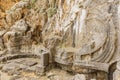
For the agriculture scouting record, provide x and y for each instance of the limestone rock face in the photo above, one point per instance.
(79, 77)
(78, 36)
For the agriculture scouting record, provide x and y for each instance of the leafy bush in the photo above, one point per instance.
(51, 11)
(32, 2)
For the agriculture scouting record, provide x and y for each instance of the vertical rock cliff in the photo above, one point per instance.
(81, 37)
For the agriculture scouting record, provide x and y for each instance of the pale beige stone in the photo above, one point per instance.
(79, 36)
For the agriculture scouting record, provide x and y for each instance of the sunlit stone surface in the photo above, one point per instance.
(47, 39)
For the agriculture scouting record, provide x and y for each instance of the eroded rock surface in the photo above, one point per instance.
(40, 37)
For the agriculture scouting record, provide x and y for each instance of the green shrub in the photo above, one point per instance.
(32, 2)
(51, 11)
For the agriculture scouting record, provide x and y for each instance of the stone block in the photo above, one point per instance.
(45, 59)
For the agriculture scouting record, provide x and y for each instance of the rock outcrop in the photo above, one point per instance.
(78, 36)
